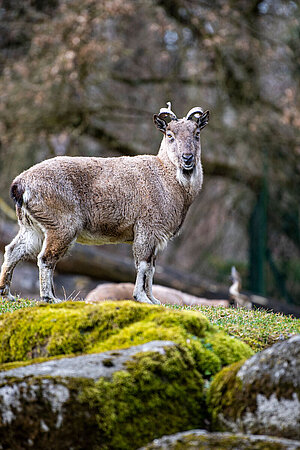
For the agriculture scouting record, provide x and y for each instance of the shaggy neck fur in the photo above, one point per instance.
(190, 181)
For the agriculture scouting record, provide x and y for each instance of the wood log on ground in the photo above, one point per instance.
(124, 291)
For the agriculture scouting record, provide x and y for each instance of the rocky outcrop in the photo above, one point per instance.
(76, 375)
(203, 440)
(262, 395)
(166, 295)
(113, 400)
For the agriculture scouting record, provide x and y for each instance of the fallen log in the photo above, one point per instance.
(124, 291)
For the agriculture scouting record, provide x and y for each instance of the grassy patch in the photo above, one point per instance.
(7, 306)
(257, 327)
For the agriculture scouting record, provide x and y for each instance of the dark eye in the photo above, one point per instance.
(170, 137)
(197, 135)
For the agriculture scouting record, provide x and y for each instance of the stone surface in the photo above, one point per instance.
(104, 401)
(261, 396)
(93, 366)
(202, 440)
(166, 295)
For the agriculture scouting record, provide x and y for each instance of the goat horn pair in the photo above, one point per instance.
(197, 112)
(167, 112)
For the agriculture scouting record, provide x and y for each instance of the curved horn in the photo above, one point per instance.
(167, 112)
(197, 112)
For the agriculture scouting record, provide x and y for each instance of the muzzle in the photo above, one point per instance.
(188, 161)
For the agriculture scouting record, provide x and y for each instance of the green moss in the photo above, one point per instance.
(256, 327)
(223, 391)
(65, 328)
(158, 394)
(227, 348)
(155, 394)
(75, 327)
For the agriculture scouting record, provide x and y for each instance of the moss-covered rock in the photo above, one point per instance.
(261, 395)
(202, 440)
(75, 327)
(153, 393)
(147, 391)
(58, 404)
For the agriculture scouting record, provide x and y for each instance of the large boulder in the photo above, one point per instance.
(75, 375)
(203, 440)
(112, 400)
(262, 395)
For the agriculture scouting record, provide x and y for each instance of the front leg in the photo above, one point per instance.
(149, 282)
(144, 253)
(139, 293)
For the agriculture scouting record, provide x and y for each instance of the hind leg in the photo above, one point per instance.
(54, 248)
(24, 246)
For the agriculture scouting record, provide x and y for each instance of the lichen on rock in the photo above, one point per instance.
(153, 393)
(203, 440)
(261, 395)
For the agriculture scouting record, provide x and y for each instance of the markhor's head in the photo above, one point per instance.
(182, 136)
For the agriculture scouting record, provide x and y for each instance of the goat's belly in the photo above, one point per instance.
(88, 238)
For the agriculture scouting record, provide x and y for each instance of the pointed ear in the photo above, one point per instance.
(161, 124)
(203, 120)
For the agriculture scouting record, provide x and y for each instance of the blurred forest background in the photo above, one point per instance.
(84, 77)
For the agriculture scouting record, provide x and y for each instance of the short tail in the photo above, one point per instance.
(16, 192)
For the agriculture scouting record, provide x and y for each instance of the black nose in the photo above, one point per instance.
(188, 157)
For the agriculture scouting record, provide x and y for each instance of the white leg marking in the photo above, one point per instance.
(139, 292)
(148, 284)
